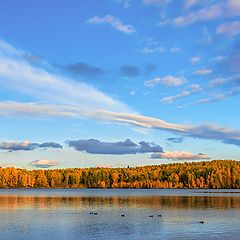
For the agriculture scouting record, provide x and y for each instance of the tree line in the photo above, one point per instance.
(207, 174)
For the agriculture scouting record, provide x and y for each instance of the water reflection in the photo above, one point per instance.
(151, 202)
(64, 214)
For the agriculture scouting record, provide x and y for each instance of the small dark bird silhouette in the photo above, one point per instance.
(201, 222)
(159, 215)
(91, 213)
(122, 215)
(151, 216)
(95, 213)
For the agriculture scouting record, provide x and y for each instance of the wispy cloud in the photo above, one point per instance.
(222, 134)
(44, 163)
(153, 50)
(125, 3)
(213, 98)
(216, 97)
(186, 92)
(207, 37)
(95, 146)
(182, 155)
(168, 81)
(170, 99)
(203, 71)
(115, 22)
(195, 59)
(217, 81)
(228, 8)
(80, 100)
(220, 58)
(155, 2)
(190, 3)
(229, 28)
(208, 13)
(19, 76)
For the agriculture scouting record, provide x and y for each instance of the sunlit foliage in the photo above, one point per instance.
(211, 174)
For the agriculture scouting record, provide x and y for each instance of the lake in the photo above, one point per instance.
(70, 214)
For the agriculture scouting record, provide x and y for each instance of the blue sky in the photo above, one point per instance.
(118, 82)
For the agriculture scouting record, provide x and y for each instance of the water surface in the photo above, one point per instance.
(65, 214)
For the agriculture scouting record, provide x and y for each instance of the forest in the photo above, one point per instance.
(207, 174)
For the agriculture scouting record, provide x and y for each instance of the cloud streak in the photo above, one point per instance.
(182, 155)
(43, 163)
(168, 81)
(115, 22)
(229, 28)
(221, 9)
(203, 71)
(194, 88)
(222, 134)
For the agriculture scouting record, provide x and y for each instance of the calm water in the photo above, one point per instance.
(65, 214)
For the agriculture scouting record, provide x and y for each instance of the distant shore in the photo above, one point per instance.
(217, 174)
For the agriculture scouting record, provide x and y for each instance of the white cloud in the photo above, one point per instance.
(227, 8)
(220, 58)
(213, 98)
(203, 71)
(225, 135)
(44, 163)
(153, 50)
(19, 76)
(195, 88)
(55, 96)
(195, 59)
(114, 22)
(170, 99)
(229, 28)
(168, 81)
(42, 111)
(182, 155)
(209, 13)
(217, 81)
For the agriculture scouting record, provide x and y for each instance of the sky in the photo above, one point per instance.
(116, 83)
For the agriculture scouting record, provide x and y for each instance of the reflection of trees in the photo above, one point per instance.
(173, 202)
